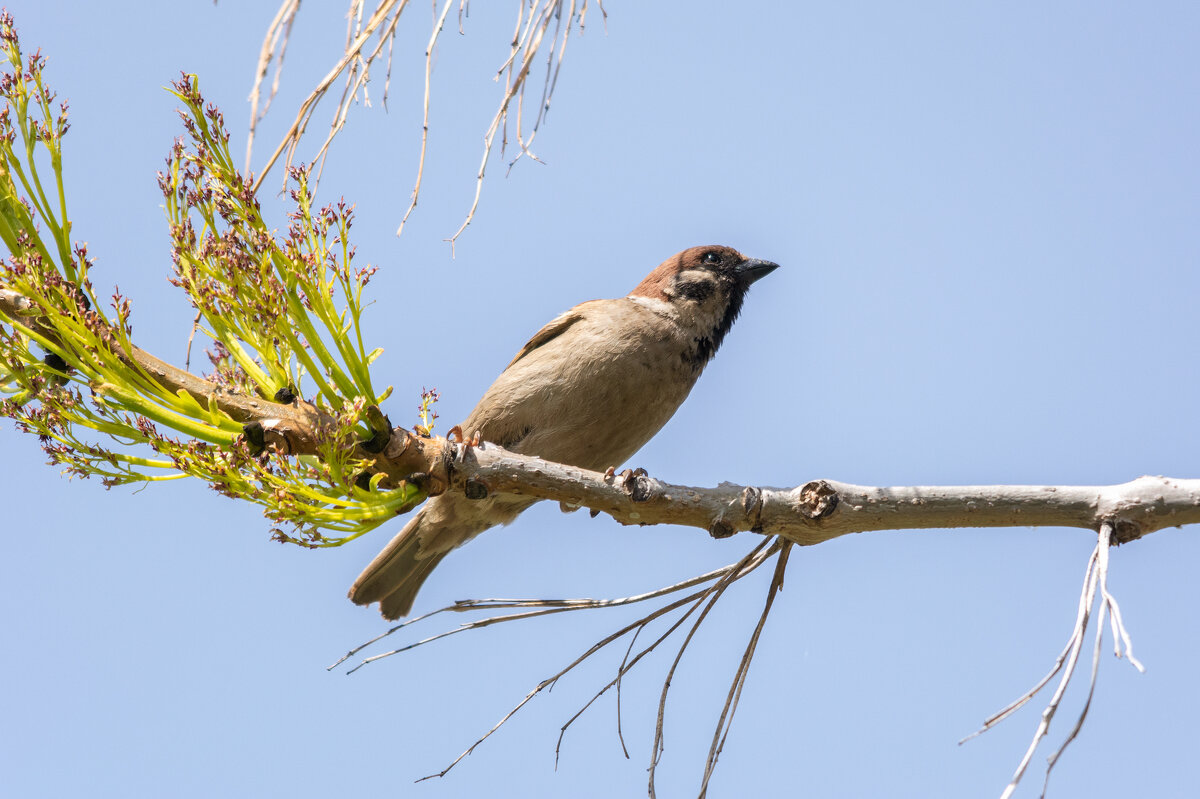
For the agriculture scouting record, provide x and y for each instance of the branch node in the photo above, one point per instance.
(256, 437)
(381, 429)
(752, 503)
(475, 489)
(1124, 531)
(817, 499)
(424, 482)
(720, 529)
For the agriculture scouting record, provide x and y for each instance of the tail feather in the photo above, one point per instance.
(446, 522)
(397, 573)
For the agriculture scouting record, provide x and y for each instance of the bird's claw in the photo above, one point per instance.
(455, 435)
(629, 482)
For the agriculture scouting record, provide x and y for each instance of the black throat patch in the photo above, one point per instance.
(708, 344)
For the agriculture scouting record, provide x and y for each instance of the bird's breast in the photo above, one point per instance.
(593, 395)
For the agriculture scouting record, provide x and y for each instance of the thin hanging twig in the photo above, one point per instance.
(739, 679)
(357, 59)
(1095, 579)
(544, 606)
(719, 579)
(274, 46)
(744, 567)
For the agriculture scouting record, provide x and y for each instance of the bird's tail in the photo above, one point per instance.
(398, 572)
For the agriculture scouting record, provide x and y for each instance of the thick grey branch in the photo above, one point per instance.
(823, 509)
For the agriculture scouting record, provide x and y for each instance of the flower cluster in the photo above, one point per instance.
(283, 314)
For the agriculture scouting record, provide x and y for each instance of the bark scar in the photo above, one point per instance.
(817, 499)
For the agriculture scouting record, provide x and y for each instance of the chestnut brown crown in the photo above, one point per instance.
(708, 285)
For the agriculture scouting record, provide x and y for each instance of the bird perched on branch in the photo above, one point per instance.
(588, 390)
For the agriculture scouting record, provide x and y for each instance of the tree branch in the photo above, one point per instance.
(824, 509)
(808, 514)
(295, 427)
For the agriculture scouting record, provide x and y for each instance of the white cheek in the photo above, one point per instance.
(656, 305)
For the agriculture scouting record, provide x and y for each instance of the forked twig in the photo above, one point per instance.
(533, 21)
(751, 560)
(710, 601)
(1095, 577)
(739, 679)
(387, 11)
(737, 571)
(710, 587)
(524, 50)
(546, 606)
(274, 46)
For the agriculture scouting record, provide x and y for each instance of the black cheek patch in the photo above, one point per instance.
(698, 291)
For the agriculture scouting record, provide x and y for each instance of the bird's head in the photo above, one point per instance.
(705, 287)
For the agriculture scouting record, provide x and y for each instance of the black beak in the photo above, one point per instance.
(752, 269)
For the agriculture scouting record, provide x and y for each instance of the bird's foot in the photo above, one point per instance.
(628, 481)
(456, 436)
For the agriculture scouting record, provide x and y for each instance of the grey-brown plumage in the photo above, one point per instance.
(589, 389)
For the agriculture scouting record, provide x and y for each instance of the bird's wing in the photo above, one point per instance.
(502, 415)
(553, 329)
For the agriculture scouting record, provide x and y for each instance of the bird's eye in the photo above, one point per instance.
(711, 258)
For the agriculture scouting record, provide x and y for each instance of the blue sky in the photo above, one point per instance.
(987, 217)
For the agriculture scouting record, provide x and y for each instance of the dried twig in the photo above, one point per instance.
(710, 600)
(739, 678)
(755, 558)
(274, 46)
(386, 14)
(714, 584)
(1095, 577)
(525, 47)
(533, 21)
(416, 192)
(545, 606)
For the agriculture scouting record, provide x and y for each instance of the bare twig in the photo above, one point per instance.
(546, 606)
(352, 57)
(739, 678)
(710, 600)
(533, 21)
(438, 24)
(723, 578)
(1095, 577)
(620, 674)
(523, 54)
(274, 46)
(550, 681)
(187, 356)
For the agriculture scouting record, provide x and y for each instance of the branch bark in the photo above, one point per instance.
(820, 510)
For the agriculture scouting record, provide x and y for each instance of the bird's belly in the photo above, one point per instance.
(610, 411)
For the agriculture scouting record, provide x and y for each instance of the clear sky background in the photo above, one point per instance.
(987, 217)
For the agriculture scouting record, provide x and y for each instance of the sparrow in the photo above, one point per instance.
(588, 390)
